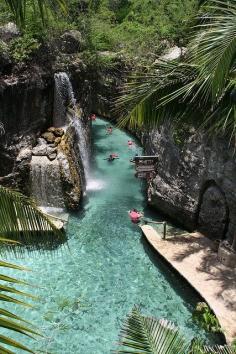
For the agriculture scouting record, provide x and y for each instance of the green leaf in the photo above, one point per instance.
(148, 335)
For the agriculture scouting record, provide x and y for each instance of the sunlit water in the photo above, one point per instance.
(86, 292)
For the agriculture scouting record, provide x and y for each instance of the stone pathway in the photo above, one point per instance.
(192, 256)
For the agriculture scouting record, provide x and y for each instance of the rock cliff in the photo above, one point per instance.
(195, 183)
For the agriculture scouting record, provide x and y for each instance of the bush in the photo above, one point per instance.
(23, 47)
(206, 319)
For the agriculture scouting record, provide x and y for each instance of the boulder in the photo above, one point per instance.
(9, 32)
(40, 150)
(41, 141)
(56, 131)
(52, 156)
(71, 42)
(49, 137)
(57, 141)
(51, 150)
(24, 154)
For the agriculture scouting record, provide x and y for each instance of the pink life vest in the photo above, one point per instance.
(134, 216)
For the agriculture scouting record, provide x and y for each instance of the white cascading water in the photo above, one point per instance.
(63, 98)
(66, 113)
(46, 182)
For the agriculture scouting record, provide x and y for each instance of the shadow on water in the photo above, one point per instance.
(177, 282)
(35, 241)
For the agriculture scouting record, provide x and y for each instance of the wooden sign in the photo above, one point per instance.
(145, 175)
(145, 159)
(145, 168)
(144, 165)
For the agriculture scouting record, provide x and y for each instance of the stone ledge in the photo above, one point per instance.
(192, 256)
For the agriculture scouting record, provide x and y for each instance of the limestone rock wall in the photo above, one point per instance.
(26, 111)
(195, 184)
(26, 103)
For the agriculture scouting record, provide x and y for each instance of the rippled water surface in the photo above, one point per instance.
(85, 292)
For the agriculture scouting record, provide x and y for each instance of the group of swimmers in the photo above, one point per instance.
(134, 214)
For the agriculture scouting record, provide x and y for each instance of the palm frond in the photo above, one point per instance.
(213, 48)
(141, 334)
(162, 94)
(22, 221)
(198, 347)
(8, 320)
(148, 335)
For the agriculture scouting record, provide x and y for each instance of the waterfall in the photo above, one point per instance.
(63, 98)
(46, 182)
(66, 113)
(83, 144)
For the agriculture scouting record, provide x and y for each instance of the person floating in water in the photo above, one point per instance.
(112, 157)
(131, 143)
(135, 216)
(109, 130)
(93, 117)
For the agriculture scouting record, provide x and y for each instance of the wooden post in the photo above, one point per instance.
(164, 230)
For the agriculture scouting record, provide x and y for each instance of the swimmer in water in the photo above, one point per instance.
(112, 157)
(135, 216)
(131, 143)
(109, 130)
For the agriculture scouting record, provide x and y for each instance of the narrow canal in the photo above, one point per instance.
(86, 292)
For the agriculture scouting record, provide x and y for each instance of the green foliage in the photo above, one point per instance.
(141, 334)
(41, 8)
(11, 321)
(136, 26)
(181, 134)
(23, 47)
(234, 344)
(3, 47)
(21, 221)
(5, 15)
(199, 89)
(206, 319)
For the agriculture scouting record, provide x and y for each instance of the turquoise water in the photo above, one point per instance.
(86, 292)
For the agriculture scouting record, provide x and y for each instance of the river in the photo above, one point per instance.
(86, 289)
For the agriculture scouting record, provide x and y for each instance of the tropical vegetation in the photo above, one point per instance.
(22, 225)
(199, 88)
(142, 334)
(134, 28)
(21, 9)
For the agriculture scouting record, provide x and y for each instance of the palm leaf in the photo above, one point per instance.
(9, 320)
(197, 347)
(12, 343)
(199, 90)
(141, 334)
(22, 221)
(214, 47)
(148, 335)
